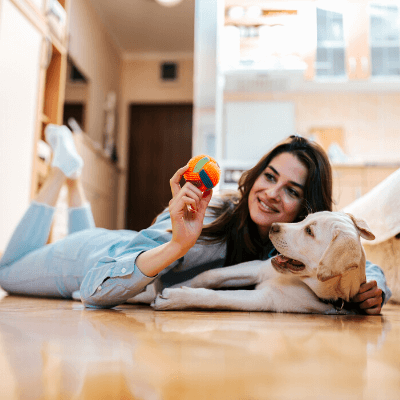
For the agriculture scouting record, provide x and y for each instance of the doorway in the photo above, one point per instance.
(160, 143)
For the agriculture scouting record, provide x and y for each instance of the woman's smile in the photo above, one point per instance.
(267, 208)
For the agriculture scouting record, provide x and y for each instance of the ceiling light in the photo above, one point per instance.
(168, 3)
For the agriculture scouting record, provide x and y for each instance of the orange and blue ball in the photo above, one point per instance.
(203, 172)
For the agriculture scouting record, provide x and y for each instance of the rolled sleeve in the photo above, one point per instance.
(113, 281)
(374, 273)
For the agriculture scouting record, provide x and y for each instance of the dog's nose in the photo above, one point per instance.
(275, 228)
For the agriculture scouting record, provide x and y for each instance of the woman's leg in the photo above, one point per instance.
(79, 213)
(29, 266)
(50, 190)
(33, 230)
(76, 194)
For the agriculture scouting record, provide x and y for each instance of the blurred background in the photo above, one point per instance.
(147, 84)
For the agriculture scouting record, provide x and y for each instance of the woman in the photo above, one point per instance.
(109, 267)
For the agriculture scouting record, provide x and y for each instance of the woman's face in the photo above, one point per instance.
(277, 194)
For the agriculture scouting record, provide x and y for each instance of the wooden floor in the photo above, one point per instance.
(54, 349)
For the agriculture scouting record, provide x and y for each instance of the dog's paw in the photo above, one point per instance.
(171, 299)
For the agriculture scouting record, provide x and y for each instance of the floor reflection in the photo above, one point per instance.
(51, 349)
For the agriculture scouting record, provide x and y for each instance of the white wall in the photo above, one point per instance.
(97, 57)
(252, 128)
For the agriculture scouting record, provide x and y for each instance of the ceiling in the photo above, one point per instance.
(144, 26)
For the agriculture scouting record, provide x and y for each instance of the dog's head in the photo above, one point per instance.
(325, 251)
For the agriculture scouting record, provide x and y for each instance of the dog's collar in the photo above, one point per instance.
(272, 253)
(338, 304)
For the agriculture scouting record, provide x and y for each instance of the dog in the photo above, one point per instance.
(321, 266)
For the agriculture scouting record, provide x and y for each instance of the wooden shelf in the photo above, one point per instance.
(45, 119)
(52, 83)
(42, 168)
(57, 44)
(55, 87)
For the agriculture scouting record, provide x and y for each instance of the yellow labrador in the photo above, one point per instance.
(321, 264)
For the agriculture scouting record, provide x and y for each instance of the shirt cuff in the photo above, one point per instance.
(112, 281)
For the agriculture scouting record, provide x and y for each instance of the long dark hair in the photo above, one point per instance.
(233, 224)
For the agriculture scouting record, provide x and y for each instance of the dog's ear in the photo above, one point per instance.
(342, 255)
(362, 227)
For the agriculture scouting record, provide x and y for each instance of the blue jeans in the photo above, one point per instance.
(94, 264)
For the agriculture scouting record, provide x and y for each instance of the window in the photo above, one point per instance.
(330, 44)
(385, 40)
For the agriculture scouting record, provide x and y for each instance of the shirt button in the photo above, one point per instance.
(99, 288)
(123, 270)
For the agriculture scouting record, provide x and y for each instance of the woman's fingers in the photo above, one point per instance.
(189, 195)
(372, 306)
(177, 204)
(174, 181)
(371, 303)
(369, 298)
(372, 294)
(367, 286)
(205, 200)
(373, 311)
(367, 290)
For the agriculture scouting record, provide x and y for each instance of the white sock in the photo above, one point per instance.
(65, 155)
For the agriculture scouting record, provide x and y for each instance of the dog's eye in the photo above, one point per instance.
(309, 231)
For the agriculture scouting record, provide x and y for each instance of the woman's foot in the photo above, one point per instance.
(65, 156)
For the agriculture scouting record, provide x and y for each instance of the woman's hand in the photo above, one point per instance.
(369, 298)
(187, 209)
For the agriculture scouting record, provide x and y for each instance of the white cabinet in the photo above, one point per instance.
(20, 54)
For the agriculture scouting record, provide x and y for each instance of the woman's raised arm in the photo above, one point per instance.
(187, 209)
